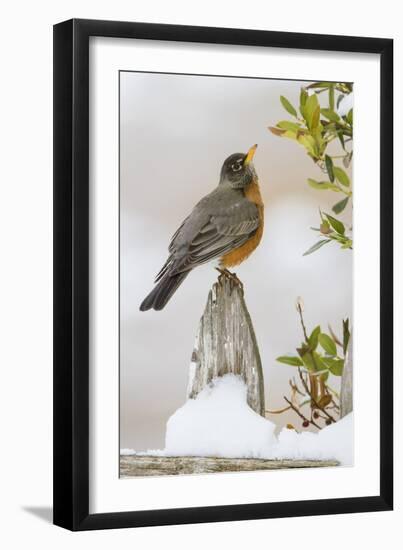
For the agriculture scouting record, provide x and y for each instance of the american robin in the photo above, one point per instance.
(226, 224)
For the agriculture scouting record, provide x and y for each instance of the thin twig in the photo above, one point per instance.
(278, 411)
(294, 386)
(299, 309)
(300, 414)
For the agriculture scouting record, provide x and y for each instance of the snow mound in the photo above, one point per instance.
(219, 423)
(333, 442)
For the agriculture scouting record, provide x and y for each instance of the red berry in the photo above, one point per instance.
(315, 414)
(305, 424)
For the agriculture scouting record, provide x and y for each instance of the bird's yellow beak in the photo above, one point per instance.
(250, 154)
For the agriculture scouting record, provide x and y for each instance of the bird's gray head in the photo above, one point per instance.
(238, 170)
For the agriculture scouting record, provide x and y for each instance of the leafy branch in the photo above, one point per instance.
(333, 230)
(316, 358)
(314, 128)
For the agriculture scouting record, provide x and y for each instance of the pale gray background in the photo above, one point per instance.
(176, 131)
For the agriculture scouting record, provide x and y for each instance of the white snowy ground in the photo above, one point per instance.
(220, 423)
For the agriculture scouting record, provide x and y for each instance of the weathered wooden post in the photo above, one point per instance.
(346, 391)
(226, 343)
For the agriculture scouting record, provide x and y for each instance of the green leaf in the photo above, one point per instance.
(341, 139)
(334, 365)
(323, 185)
(287, 106)
(337, 225)
(325, 376)
(312, 360)
(347, 244)
(341, 176)
(331, 97)
(346, 335)
(327, 344)
(339, 100)
(330, 115)
(318, 360)
(303, 96)
(290, 360)
(290, 134)
(330, 127)
(329, 167)
(315, 118)
(310, 111)
(316, 246)
(287, 125)
(307, 359)
(340, 206)
(321, 144)
(309, 143)
(314, 338)
(350, 117)
(319, 85)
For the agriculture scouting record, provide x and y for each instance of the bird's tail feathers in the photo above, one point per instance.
(163, 291)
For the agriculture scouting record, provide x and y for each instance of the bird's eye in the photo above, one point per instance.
(236, 167)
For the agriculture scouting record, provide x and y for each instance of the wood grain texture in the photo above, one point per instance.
(134, 465)
(226, 343)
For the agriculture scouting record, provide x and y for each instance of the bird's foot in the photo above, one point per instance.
(232, 277)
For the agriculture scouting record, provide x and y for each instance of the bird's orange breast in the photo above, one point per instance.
(238, 255)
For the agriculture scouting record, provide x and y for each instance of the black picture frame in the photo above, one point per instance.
(71, 274)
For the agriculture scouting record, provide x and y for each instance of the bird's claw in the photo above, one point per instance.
(232, 277)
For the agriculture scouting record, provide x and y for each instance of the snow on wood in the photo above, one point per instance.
(219, 424)
(226, 343)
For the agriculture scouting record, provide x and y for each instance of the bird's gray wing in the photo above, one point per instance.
(203, 237)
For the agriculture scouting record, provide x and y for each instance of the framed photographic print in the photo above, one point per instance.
(223, 321)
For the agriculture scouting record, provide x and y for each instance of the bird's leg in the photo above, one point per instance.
(221, 274)
(231, 276)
